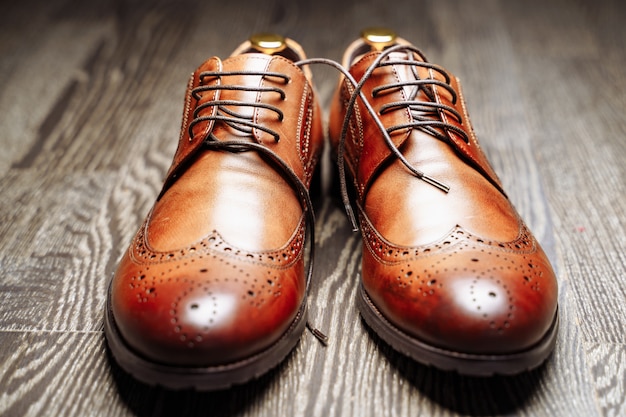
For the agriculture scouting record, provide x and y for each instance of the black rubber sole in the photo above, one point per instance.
(208, 378)
(463, 363)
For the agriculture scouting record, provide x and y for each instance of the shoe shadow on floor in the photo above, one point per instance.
(466, 395)
(145, 400)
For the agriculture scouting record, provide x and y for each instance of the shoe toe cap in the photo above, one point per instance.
(482, 302)
(204, 316)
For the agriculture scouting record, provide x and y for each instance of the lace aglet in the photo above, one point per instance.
(351, 216)
(318, 334)
(443, 187)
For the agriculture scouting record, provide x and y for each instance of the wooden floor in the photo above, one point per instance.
(91, 97)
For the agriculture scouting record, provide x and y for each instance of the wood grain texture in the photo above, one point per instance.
(608, 367)
(91, 96)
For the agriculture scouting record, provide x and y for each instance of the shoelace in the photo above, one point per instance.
(425, 114)
(243, 123)
(233, 119)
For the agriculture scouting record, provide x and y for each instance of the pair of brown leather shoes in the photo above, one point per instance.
(212, 290)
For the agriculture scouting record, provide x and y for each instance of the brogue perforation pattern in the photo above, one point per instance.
(457, 240)
(214, 243)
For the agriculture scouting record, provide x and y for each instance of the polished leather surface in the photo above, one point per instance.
(216, 273)
(459, 270)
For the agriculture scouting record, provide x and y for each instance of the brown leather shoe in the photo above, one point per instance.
(212, 290)
(451, 276)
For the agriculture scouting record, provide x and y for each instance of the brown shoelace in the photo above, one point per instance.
(425, 113)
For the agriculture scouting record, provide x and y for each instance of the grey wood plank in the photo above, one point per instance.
(608, 367)
(118, 84)
(54, 374)
(53, 267)
(577, 93)
(32, 77)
